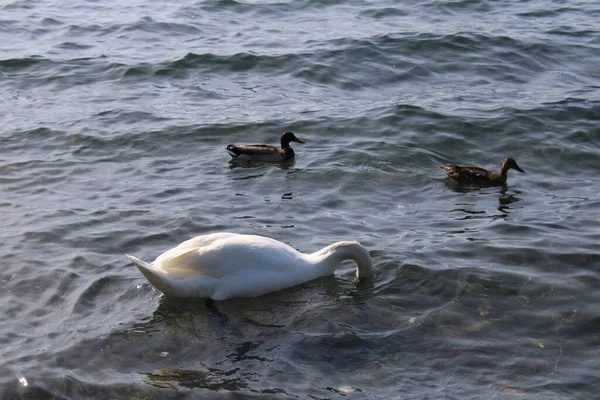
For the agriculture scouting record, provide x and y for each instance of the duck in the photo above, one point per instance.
(225, 265)
(470, 175)
(265, 152)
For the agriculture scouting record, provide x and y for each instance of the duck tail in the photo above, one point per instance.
(150, 273)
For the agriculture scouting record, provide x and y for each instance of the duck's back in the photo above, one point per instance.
(469, 174)
(260, 152)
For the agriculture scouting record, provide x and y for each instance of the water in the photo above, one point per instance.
(114, 121)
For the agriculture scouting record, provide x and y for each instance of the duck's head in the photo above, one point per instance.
(287, 138)
(510, 163)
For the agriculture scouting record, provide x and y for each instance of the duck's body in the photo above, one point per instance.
(470, 175)
(265, 152)
(225, 265)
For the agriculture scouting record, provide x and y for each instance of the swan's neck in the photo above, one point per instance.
(329, 259)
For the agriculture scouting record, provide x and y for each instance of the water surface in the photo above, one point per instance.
(114, 121)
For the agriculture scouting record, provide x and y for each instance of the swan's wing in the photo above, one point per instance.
(206, 240)
(236, 255)
(181, 253)
(181, 263)
(229, 265)
(232, 256)
(228, 259)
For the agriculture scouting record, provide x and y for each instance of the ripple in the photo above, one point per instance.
(18, 64)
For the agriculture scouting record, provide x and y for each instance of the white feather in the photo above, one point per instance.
(226, 265)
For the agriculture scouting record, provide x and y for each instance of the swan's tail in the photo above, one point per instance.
(153, 276)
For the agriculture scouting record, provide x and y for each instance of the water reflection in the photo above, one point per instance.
(476, 214)
(178, 311)
(242, 177)
(187, 328)
(212, 379)
(248, 169)
(233, 164)
(466, 188)
(506, 199)
(474, 211)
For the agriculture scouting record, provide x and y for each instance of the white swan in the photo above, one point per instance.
(224, 265)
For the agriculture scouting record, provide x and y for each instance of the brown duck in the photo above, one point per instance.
(265, 152)
(469, 175)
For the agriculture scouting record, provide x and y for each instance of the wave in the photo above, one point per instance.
(345, 63)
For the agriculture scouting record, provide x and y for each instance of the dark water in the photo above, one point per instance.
(114, 119)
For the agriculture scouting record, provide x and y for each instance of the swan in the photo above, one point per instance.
(225, 265)
(265, 152)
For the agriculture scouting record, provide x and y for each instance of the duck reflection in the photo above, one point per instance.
(247, 164)
(506, 199)
(473, 211)
(242, 170)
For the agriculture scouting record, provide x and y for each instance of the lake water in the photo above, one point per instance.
(115, 116)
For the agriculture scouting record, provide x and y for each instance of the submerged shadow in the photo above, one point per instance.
(178, 311)
(186, 327)
(233, 164)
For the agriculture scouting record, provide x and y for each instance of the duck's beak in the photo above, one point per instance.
(519, 168)
(299, 140)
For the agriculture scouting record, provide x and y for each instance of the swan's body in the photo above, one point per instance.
(265, 152)
(224, 265)
(470, 175)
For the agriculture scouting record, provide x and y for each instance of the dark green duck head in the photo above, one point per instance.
(287, 138)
